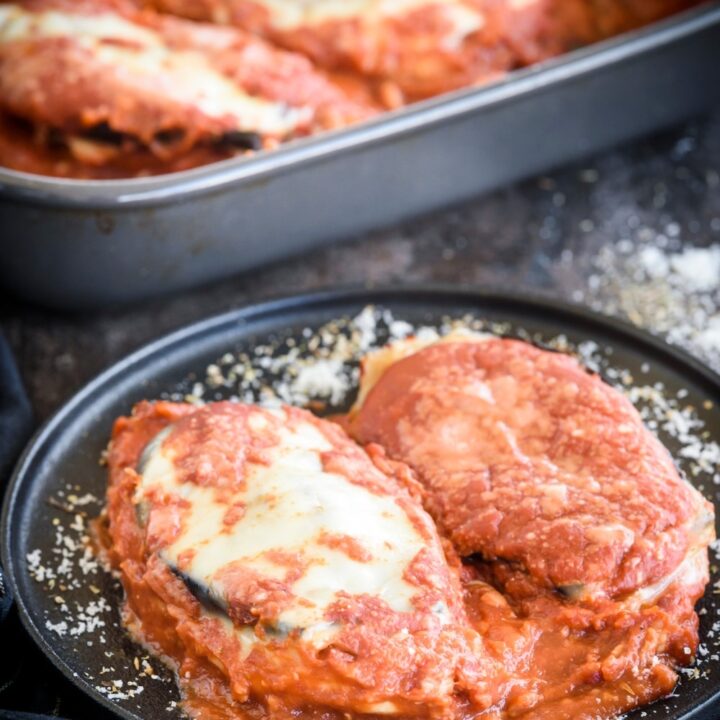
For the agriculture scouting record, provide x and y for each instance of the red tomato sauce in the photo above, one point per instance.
(559, 660)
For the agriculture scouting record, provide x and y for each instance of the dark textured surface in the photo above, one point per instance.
(571, 234)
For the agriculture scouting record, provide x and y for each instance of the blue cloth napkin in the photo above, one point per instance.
(28, 683)
(16, 423)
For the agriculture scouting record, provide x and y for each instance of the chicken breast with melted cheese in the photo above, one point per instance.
(105, 80)
(419, 48)
(263, 548)
(558, 497)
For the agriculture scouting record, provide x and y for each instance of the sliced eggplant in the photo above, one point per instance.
(103, 133)
(574, 591)
(242, 140)
(141, 509)
(201, 592)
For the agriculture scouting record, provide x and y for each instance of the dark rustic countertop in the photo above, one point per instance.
(616, 232)
(577, 233)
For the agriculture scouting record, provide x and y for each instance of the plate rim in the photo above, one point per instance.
(272, 306)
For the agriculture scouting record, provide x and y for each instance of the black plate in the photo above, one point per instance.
(66, 452)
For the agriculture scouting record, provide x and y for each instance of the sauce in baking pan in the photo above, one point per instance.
(191, 489)
(109, 91)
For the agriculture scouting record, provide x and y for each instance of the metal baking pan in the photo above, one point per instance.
(65, 454)
(78, 244)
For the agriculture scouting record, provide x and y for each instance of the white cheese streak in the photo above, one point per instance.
(140, 58)
(290, 505)
(291, 14)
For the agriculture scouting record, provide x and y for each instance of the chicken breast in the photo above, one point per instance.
(104, 79)
(529, 459)
(420, 48)
(266, 544)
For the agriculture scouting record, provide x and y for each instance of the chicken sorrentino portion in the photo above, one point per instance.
(529, 458)
(265, 552)
(558, 499)
(102, 89)
(419, 48)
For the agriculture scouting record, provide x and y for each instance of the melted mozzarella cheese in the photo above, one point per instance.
(290, 503)
(182, 76)
(290, 14)
(19, 24)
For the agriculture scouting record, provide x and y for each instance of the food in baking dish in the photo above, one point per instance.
(422, 48)
(109, 90)
(285, 571)
(114, 88)
(425, 47)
